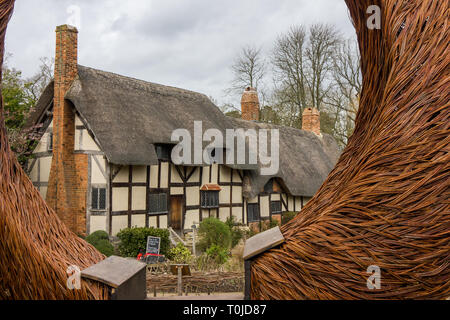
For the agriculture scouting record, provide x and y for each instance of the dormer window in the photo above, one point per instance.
(163, 151)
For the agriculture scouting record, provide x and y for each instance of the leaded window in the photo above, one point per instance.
(158, 203)
(98, 199)
(253, 212)
(210, 199)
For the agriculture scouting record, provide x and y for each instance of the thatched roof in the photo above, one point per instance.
(129, 116)
(305, 159)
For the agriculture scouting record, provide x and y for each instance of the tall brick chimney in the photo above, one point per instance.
(311, 120)
(250, 104)
(68, 175)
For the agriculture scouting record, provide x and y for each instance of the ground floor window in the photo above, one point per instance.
(210, 199)
(276, 207)
(158, 203)
(253, 212)
(98, 199)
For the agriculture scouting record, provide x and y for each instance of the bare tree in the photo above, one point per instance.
(343, 100)
(288, 60)
(248, 69)
(37, 83)
(322, 45)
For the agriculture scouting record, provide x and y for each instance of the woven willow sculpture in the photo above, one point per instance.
(387, 202)
(36, 248)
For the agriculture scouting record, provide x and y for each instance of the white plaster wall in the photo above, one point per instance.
(237, 195)
(139, 174)
(191, 218)
(34, 171)
(119, 199)
(174, 175)
(265, 207)
(298, 204)
(237, 213)
(275, 197)
(195, 176)
(205, 214)
(192, 196)
(97, 223)
(119, 223)
(236, 177)
(43, 191)
(89, 143)
(43, 143)
(154, 177)
(138, 198)
(205, 176)
(214, 173)
(46, 164)
(164, 175)
(224, 195)
(176, 191)
(163, 222)
(97, 176)
(138, 220)
(290, 203)
(224, 213)
(122, 176)
(225, 174)
(152, 221)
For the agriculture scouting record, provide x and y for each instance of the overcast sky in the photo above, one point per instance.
(184, 43)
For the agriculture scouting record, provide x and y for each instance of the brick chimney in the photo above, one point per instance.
(311, 120)
(250, 104)
(68, 174)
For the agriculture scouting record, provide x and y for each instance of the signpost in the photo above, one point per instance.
(153, 245)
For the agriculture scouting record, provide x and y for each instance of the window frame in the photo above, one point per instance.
(272, 209)
(258, 218)
(208, 205)
(166, 202)
(96, 206)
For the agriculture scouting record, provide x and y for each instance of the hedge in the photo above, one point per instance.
(134, 240)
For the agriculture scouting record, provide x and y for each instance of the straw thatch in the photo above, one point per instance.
(36, 248)
(128, 116)
(386, 203)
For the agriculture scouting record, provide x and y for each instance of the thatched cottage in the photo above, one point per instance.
(103, 160)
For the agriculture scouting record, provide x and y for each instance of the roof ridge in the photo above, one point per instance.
(144, 82)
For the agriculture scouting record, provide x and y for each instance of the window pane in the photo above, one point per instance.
(253, 212)
(158, 202)
(94, 198)
(102, 199)
(276, 206)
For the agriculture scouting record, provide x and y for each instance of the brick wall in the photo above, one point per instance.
(69, 172)
(250, 104)
(311, 120)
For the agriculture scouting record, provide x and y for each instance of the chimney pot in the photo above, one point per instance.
(250, 104)
(311, 120)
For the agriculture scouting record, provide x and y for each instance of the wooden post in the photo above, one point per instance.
(180, 280)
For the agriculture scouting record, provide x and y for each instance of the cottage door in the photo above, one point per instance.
(176, 212)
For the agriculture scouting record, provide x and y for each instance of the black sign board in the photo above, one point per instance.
(153, 245)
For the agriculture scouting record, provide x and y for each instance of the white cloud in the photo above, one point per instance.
(184, 43)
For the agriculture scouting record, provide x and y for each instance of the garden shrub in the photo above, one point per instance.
(100, 240)
(219, 254)
(134, 240)
(179, 254)
(212, 231)
(236, 233)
